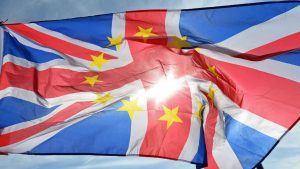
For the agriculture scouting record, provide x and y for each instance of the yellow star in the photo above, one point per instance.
(213, 71)
(176, 42)
(91, 80)
(145, 33)
(115, 42)
(197, 49)
(98, 61)
(212, 91)
(131, 107)
(103, 98)
(198, 114)
(170, 116)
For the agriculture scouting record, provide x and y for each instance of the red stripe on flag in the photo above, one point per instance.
(59, 117)
(55, 82)
(283, 45)
(269, 96)
(160, 140)
(56, 43)
(210, 130)
(48, 83)
(154, 20)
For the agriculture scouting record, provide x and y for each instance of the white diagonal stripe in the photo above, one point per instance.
(220, 144)
(221, 147)
(56, 63)
(278, 27)
(32, 97)
(33, 141)
(30, 123)
(191, 146)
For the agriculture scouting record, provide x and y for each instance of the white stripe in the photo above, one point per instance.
(270, 66)
(56, 63)
(46, 102)
(118, 28)
(220, 144)
(266, 32)
(118, 25)
(245, 117)
(191, 146)
(256, 122)
(222, 151)
(27, 95)
(172, 23)
(139, 123)
(33, 122)
(1, 46)
(28, 144)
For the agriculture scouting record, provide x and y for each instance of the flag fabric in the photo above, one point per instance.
(216, 87)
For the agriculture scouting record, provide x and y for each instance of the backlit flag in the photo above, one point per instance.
(216, 87)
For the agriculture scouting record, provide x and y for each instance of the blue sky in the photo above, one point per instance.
(285, 155)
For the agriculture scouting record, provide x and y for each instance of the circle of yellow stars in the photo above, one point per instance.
(131, 106)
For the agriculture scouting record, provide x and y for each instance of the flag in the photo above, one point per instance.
(214, 87)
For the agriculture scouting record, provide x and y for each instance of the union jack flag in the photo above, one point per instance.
(216, 87)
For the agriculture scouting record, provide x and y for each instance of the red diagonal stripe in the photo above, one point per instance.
(283, 45)
(59, 117)
(54, 82)
(56, 43)
(210, 130)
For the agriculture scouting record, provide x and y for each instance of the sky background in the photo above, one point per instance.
(285, 155)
